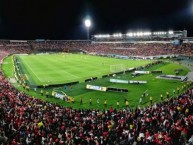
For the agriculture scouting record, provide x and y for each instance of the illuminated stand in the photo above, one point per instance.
(141, 34)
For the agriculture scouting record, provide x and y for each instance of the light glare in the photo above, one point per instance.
(87, 23)
(171, 32)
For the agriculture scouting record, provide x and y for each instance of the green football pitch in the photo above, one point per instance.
(64, 68)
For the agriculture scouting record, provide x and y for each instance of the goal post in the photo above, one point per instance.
(117, 68)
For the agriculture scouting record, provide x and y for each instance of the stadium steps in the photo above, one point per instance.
(190, 76)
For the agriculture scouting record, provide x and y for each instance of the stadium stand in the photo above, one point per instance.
(27, 120)
(126, 49)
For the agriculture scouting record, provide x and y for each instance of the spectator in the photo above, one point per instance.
(27, 120)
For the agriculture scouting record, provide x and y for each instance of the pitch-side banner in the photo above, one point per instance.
(142, 72)
(137, 82)
(119, 81)
(98, 88)
(60, 96)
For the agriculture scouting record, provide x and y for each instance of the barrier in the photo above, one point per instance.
(173, 77)
(156, 71)
(118, 81)
(117, 90)
(91, 79)
(137, 82)
(97, 88)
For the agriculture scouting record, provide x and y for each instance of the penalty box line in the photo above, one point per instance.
(34, 73)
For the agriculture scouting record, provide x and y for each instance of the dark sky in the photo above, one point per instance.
(63, 19)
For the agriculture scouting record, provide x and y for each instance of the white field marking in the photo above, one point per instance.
(71, 74)
(33, 72)
(45, 81)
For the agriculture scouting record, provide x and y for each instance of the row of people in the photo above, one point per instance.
(128, 49)
(26, 120)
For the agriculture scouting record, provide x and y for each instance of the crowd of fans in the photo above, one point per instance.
(25, 120)
(115, 39)
(127, 49)
(7, 48)
(140, 49)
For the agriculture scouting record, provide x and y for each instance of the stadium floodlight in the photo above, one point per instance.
(147, 33)
(129, 34)
(96, 36)
(117, 35)
(139, 34)
(171, 32)
(120, 35)
(107, 35)
(104, 36)
(87, 23)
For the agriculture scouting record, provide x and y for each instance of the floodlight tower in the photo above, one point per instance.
(87, 23)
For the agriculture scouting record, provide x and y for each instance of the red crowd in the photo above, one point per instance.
(25, 120)
(127, 49)
(28, 121)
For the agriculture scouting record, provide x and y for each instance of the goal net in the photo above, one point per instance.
(117, 68)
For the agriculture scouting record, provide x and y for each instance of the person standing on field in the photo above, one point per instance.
(118, 104)
(98, 101)
(81, 100)
(140, 100)
(90, 101)
(178, 90)
(105, 103)
(151, 100)
(47, 94)
(127, 103)
(167, 94)
(161, 96)
(41, 92)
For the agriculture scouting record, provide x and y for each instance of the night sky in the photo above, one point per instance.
(64, 19)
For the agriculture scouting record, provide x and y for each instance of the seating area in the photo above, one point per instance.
(124, 49)
(25, 120)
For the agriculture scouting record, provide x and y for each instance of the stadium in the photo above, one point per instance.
(108, 88)
(116, 83)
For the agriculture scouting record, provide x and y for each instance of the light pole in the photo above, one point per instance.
(87, 23)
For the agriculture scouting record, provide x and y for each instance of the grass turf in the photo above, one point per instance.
(154, 86)
(64, 68)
